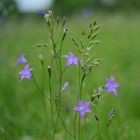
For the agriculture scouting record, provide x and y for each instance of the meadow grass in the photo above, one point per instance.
(21, 109)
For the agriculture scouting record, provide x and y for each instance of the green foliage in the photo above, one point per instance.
(70, 6)
(21, 107)
(8, 8)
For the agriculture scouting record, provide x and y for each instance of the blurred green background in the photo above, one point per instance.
(21, 110)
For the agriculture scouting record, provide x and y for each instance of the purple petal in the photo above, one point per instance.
(116, 85)
(82, 114)
(88, 110)
(68, 64)
(76, 108)
(80, 102)
(115, 92)
(71, 54)
(26, 67)
(110, 80)
(21, 78)
(86, 104)
(22, 59)
(25, 73)
(41, 12)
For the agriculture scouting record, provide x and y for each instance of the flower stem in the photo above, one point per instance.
(75, 126)
(60, 75)
(100, 131)
(51, 103)
(79, 129)
(40, 90)
(63, 124)
(43, 99)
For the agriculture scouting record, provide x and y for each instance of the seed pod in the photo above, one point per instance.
(64, 22)
(90, 25)
(64, 35)
(94, 23)
(96, 117)
(94, 36)
(96, 28)
(75, 42)
(49, 70)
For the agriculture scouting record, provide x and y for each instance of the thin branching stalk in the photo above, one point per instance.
(75, 126)
(40, 90)
(43, 99)
(86, 132)
(60, 75)
(63, 123)
(79, 127)
(51, 103)
(51, 31)
(100, 131)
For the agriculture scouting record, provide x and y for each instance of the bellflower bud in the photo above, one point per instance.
(49, 70)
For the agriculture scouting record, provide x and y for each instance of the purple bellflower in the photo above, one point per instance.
(22, 59)
(111, 112)
(41, 12)
(82, 108)
(71, 59)
(111, 85)
(25, 73)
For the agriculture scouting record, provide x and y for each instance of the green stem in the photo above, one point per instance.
(100, 131)
(86, 132)
(81, 86)
(43, 99)
(75, 125)
(60, 75)
(79, 129)
(97, 126)
(41, 91)
(64, 124)
(53, 43)
(51, 103)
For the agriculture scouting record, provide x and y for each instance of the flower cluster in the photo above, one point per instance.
(26, 72)
(85, 61)
(82, 108)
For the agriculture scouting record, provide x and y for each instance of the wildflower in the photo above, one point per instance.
(25, 73)
(110, 114)
(110, 117)
(82, 108)
(66, 84)
(46, 16)
(71, 59)
(111, 85)
(22, 59)
(41, 12)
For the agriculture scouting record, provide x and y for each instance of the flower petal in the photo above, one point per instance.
(86, 104)
(82, 114)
